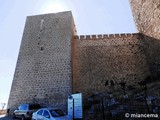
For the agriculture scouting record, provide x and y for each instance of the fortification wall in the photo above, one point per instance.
(152, 50)
(43, 71)
(146, 14)
(101, 58)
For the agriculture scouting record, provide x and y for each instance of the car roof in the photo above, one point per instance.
(29, 104)
(49, 108)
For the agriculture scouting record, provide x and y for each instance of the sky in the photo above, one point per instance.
(90, 16)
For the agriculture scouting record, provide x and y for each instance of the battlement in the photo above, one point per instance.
(104, 36)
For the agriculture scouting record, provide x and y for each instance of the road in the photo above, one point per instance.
(3, 117)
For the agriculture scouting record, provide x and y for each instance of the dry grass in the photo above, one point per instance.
(2, 112)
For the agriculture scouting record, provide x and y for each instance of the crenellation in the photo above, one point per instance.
(103, 36)
(117, 35)
(88, 37)
(121, 54)
(111, 36)
(82, 37)
(123, 35)
(94, 36)
(129, 35)
(76, 37)
(100, 36)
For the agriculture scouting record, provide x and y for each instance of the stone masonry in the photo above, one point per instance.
(146, 14)
(43, 72)
(54, 62)
(117, 57)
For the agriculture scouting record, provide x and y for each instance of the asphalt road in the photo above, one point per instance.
(6, 118)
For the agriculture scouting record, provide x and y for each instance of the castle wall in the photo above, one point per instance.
(102, 58)
(43, 72)
(147, 17)
(152, 50)
(146, 14)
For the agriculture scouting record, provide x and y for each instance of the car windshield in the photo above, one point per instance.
(23, 107)
(57, 113)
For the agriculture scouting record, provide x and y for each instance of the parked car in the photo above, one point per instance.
(50, 114)
(25, 111)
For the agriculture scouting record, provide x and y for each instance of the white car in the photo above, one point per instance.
(49, 114)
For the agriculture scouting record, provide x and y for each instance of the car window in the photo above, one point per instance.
(23, 107)
(40, 112)
(34, 106)
(45, 113)
(57, 113)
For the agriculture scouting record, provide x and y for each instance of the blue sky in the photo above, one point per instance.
(91, 17)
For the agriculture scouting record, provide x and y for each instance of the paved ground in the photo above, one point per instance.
(3, 117)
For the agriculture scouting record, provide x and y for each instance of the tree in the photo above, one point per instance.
(3, 105)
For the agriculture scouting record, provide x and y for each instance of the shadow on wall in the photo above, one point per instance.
(152, 51)
(118, 59)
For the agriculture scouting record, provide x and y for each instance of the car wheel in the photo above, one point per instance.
(14, 116)
(23, 117)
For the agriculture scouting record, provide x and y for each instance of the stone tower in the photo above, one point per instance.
(43, 72)
(146, 14)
